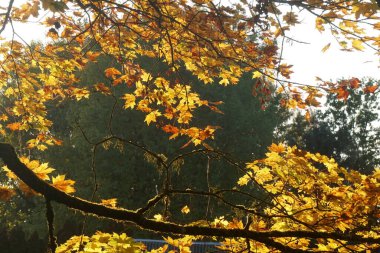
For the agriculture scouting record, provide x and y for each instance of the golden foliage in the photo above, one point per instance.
(311, 192)
(65, 185)
(101, 242)
(109, 202)
(216, 44)
(42, 171)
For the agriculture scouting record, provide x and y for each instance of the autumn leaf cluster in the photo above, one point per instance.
(216, 43)
(312, 192)
(307, 200)
(42, 171)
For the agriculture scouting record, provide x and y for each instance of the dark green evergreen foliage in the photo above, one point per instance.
(347, 130)
(131, 175)
(16, 241)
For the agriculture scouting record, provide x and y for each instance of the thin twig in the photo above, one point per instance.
(50, 221)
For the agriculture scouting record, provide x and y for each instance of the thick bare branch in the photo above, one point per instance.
(9, 156)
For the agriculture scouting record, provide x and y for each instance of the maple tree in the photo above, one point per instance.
(290, 201)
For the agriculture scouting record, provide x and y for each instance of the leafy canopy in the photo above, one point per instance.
(294, 200)
(216, 42)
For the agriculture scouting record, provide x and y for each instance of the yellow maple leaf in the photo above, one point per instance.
(342, 226)
(152, 117)
(205, 78)
(9, 174)
(146, 77)
(162, 249)
(277, 148)
(185, 209)
(244, 180)
(280, 226)
(319, 24)
(190, 66)
(196, 141)
(80, 93)
(322, 247)
(62, 184)
(325, 48)
(358, 45)
(220, 222)
(41, 147)
(256, 74)
(42, 171)
(158, 217)
(130, 101)
(109, 202)
(224, 81)
(263, 175)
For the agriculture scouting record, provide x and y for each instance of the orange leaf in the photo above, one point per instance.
(307, 116)
(6, 193)
(371, 89)
(171, 129)
(92, 56)
(57, 142)
(101, 87)
(112, 72)
(277, 148)
(215, 109)
(342, 93)
(3, 117)
(14, 126)
(354, 83)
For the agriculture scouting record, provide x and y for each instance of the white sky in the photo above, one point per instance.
(307, 59)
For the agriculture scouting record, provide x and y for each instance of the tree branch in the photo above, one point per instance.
(9, 156)
(7, 15)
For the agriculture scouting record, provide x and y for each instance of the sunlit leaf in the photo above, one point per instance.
(358, 45)
(325, 48)
(185, 209)
(14, 126)
(371, 89)
(65, 185)
(109, 202)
